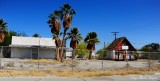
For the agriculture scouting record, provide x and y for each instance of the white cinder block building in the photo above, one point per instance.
(32, 47)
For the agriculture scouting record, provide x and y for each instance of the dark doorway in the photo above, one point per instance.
(34, 53)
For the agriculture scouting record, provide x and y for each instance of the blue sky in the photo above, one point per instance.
(138, 20)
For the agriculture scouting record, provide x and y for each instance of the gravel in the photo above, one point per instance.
(78, 64)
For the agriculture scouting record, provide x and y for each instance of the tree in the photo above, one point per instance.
(8, 37)
(55, 26)
(91, 39)
(36, 35)
(3, 30)
(23, 34)
(67, 13)
(153, 47)
(75, 39)
(81, 50)
(7, 41)
(54, 22)
(101, 51)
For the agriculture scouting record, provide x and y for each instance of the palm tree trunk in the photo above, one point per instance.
(62, 54)
(90, 55)
(57, 53)
(2, 35)
(73, 54)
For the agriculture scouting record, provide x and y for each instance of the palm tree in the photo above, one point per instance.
(55, 26)
(54, 22)
(75, 38)
(91, 39)
(3, 30)
(66, 15)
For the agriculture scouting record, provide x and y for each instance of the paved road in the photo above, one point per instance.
(104, 78)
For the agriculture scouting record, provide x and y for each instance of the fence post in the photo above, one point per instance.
(127, 55)
(103, 54)
(149, 60)
(1, 57)
(72, 58)
(38, 57)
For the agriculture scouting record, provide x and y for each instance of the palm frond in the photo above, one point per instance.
(72, 12)
(67, 9)
(79, 37)
(3, 26)
(74, 36)
(74, 30)
(86, 39)
(91, 39)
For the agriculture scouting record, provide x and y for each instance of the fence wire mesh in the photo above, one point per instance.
(32, 58)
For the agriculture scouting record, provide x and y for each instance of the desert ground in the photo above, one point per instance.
(30, 64)
(101, 78)
(77, 68)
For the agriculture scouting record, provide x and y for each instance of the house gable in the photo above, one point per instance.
(119, 42)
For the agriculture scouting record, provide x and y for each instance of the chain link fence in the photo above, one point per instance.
(33, 58)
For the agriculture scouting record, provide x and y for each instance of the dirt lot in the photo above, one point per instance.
(29, 64)
(81, 68)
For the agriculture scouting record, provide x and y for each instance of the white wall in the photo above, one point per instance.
(17, 52)
(47, 53)
(68, 54)
(32, 41)
(112, 54)
(93, 53)
(20, 52)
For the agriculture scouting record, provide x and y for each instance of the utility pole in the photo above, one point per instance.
(159, 47)
(115, 34)
(38, 51)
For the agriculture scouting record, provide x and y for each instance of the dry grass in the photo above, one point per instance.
(83, 73)
(5, 73)
(48, 61)
(110, 72)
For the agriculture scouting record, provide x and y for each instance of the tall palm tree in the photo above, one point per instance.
(54, 22)
(75, 38)
(67, 13)
(91, 39)
(3, 30)
(55, 25)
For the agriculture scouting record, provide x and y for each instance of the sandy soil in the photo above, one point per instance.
(27, 64)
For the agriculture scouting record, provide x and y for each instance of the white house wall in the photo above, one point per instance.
(22, 47)
(112, 54)
(17, 52)
(20, 52)
(47, 53)
(68, 54)
(32, 41)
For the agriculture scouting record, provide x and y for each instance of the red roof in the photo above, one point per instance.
(119, 42)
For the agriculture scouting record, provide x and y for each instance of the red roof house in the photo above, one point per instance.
(116, 51)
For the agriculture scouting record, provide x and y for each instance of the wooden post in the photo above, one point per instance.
(1, 57)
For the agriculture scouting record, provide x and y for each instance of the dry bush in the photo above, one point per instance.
(44, 61)
(10, 64)
(84, 73)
